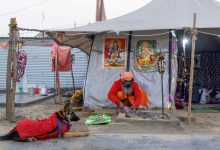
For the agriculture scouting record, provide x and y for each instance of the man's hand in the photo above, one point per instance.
(132, 109)
(121, 105)
(131, 112)
(123, 108)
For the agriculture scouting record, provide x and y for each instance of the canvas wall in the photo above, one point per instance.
(100, 79)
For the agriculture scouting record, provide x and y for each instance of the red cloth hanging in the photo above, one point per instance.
(63, 58)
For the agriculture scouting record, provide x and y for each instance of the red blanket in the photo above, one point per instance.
(64, 57)
(40, 129)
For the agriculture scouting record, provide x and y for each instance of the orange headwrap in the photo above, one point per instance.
(126, 76)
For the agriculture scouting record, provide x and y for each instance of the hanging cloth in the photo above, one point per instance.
(21, 58)
(21, 63)
(63, 58)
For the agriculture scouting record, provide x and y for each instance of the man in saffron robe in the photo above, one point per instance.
(127, 94)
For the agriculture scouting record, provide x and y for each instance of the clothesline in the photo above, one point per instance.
(209, 33)
(140, 35)
(158, 34)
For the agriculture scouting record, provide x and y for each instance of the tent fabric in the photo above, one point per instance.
(99, 79)
(162, 14)
(158, 14)
(75, 40)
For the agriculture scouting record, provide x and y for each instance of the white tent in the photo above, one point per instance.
(159, 16)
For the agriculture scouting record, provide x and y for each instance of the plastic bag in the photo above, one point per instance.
(96, 119)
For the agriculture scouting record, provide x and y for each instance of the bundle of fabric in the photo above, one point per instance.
(63, 55)
(179, 101)
(21, 58)
(21, 63)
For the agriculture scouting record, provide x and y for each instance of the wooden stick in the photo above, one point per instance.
(71, 134)
(14, 46)
(10, 95)
(72, 75)
(193, 33)
(57, 71)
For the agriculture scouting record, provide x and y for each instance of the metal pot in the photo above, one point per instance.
(43, 91)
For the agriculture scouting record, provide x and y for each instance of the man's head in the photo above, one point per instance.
(126, 76)
(127, 80)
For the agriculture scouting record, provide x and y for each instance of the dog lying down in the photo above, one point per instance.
(56, 125)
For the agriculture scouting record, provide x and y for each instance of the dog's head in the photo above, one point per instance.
(67, 112)
(74, 117)
(67, 109)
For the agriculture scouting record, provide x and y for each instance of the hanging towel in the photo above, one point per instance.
(63, 58)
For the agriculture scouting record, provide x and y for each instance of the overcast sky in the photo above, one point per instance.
(59, 13)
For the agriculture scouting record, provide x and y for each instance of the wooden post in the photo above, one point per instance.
(57, 77)
(10, 93)
(100, 10)
(193, 34)
(74, 90)
(60, 38)
(55, 80)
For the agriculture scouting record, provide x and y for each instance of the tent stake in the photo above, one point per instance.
(193, 34)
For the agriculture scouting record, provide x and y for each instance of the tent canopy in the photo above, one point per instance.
(158, 14)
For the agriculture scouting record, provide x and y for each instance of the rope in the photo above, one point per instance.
(209, 33)
(149, 35)
(31, 6)
(25, 29)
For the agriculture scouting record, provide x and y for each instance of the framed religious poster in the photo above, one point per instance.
(114, 52)
(145, 56)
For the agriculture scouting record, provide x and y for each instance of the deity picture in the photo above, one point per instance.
(114, 52)
(145, 58)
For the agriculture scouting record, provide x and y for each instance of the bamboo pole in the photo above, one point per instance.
(100, 10)
(11, 62)
(14, 79)
(58, 91)
(60, 38)
(74, 90)
(98, 2)
(55, 83)
(193, 34)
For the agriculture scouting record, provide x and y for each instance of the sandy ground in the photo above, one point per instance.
(204, 123)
